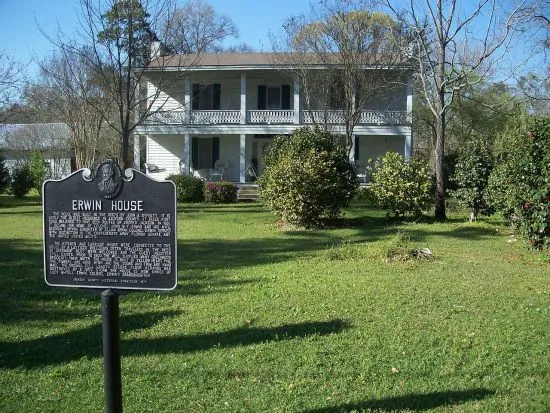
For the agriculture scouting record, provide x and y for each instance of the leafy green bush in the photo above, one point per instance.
(22, 181)
(501, 191)
(533, 175)
(189, 189)
(4, 175)
(524, 177)
(401, 186)
(220, 192)
(307, 178)
(471, 176)
(38, 168)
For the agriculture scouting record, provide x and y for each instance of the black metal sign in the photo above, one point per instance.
(110, 231)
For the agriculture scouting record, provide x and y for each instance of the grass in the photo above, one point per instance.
(268, 320)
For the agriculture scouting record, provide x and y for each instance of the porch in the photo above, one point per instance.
(232, 157)
(274, 117)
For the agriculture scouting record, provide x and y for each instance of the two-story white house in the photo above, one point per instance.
(229, 107)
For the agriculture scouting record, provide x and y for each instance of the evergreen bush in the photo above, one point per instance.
(401, 186)
(4, 174)
(471, 176)
(189, 189)
(22, 181)
(220, 192)
(520, 185)
(307, 177)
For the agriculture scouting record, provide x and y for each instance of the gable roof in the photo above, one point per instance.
(33, 136)
(232, 61)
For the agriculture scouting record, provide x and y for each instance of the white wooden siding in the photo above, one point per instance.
(174, 100)
(372, 147)
(230, 151)
(165, 151)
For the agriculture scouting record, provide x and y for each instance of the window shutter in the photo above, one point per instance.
(216, 98)
(285, 97)
(195, 99)
(195, 153)
(215, 150)
(261, 97)
(356, 149)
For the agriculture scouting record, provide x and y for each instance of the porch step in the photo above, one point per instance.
(248, 192)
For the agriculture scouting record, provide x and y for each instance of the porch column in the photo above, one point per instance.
(408, 145)
(296, 102)
(409, 98)
(242, 158)
(353, 148)
(408, 136)
(187, 101)
(243, 98)
(185, 162)
(137, 152)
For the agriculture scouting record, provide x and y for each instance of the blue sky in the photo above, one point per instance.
(21, 37)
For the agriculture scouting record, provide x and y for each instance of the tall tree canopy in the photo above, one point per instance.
(346, 39)
(452, 41)
(197, 28)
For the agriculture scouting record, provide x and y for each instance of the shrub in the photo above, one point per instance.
(4, 175)
(307, 177)
(401, 186)
(532, 173)
(38, 168)
(22, 181)
(524, 179)
(501, 191)
(220, 192)
(471, 176)
(189, 189)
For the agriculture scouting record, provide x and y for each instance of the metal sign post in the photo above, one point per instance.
(110, 232)
(111, 352)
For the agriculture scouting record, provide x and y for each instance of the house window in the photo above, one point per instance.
(206, 97)
(204, 152)
(273, 97)
(337, 95)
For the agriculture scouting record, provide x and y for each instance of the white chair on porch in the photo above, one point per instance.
(219, 169)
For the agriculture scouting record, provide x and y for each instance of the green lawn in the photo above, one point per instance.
(268, 320)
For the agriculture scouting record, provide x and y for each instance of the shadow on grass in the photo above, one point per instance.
(413, 402)
(12, 202)
(87, 342)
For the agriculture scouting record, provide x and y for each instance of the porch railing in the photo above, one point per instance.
(205, 117)
(367, 117)
(224, 117)
(324, 116)
(271, 116)
(384, 117)
(170, 117)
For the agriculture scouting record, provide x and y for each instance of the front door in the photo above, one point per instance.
(259, 150)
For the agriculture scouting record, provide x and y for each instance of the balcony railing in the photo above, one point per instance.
(324, 116)
(271, 116)
(216, 117)
(225, 117)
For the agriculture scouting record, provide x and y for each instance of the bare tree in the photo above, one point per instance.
(121, 39)
(355, 48)
(64, 93)
(197, 28)
(11, 85)
(453, 47)
(116, 40)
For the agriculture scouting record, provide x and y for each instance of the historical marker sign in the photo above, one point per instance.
(110, 231)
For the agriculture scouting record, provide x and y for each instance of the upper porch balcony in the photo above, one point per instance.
(274, 117)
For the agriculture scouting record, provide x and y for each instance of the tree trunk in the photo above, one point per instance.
(124, 161)
(439, 171)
